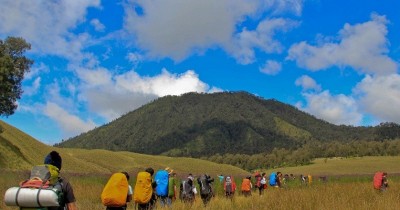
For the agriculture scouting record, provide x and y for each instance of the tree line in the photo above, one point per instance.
(281, 157)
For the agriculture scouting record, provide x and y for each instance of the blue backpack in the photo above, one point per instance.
(272, 179)
(161, 178)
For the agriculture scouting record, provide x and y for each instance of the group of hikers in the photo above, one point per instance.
(150, 186)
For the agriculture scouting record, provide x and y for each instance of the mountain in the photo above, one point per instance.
(198, 125)
(19, 151)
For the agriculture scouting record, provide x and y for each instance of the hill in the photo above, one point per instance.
(198, 125)
(19, 151)
(345, 166)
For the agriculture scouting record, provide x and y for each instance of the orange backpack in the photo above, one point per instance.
(116, 191)
(246, 185)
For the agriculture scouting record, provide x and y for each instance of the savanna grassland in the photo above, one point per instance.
(340, 193)
(349, 183)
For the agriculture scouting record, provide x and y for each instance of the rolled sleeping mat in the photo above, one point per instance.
(31, 197)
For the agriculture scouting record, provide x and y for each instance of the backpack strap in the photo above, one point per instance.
(16, 196)
(37, 197)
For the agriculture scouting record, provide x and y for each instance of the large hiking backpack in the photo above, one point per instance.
(205, 187)
(378, 177)
(185, 190)
(42, 189)
(273, 179)
(161, 178)
(143, 189)
(258, 181)
(116, 191)
(246, 185)
(229, 186)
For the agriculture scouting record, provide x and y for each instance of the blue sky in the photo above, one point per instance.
(96, 60)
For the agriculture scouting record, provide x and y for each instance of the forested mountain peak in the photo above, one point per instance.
(198, 124)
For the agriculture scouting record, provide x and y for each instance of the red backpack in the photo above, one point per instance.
(378, 180)
(258, 179)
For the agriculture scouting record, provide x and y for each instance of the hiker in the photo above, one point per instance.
(206, 191)
(263, 184)
(257, 185)
(221, 178)
(117, 192)
(144, 193)
(246, 186)
(229, 187)
(275, 179)
(54, 158)
(187, 190)
(380, 181)
(161, 178)
(303, 179)
(44, 188)
(172, 186)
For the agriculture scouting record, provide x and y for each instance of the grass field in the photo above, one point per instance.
(19, 151)
(335, 194)
(346, 166)
(349, 183)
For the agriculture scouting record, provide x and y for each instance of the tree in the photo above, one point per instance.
(13, 66)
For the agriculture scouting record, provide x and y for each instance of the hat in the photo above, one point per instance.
(53, 158)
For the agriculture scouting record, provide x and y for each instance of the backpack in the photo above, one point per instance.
(272, 179)
(258, 181)
(42, 189)
(378, 177)
(246, 185)
(185, 190)
(161, 178)
(116, 191)
(143, 188)
(205, 187)
(228, 185)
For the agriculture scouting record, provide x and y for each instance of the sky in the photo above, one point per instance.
(97, 60)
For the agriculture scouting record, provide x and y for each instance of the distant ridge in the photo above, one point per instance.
(206, 124)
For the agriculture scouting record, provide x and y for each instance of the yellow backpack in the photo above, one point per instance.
(143, 189)
(116, 191)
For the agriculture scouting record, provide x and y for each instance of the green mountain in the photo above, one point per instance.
(199, 125)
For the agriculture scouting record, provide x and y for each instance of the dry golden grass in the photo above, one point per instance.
(20, 152)
(332, 195)
(346, 166)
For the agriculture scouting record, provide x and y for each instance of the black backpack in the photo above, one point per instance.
(185, 190)
(205, 187)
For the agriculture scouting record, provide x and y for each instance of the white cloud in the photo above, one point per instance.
(380, 96)
(113, 95)
(271, 67)
(70, 124)
(31, 90)
(177, 29)
(295, 6)
(135, 58)
(336, 109)
(307, 83)
(363, 47)
(46, 24)
(244, 45)
(98, 26)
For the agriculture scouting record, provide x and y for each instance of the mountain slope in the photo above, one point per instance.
(205, 124)
(19, 151)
